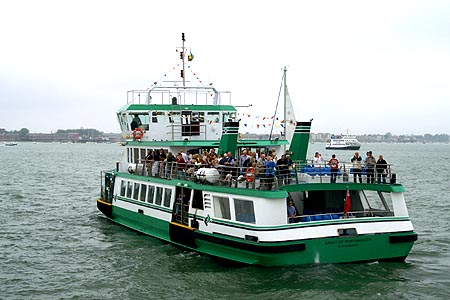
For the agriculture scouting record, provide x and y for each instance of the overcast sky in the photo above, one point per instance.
(365, 66)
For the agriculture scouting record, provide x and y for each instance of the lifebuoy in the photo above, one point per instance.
(250, 174)
(138, 133)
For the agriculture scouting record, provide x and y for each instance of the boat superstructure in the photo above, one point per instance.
(343, 142)
(239, 211)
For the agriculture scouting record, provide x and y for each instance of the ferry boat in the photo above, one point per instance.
(343, 142)
(241, 213)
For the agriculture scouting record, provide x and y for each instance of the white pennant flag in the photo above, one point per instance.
(290, 121)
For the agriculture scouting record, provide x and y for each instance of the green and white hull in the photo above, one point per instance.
(352, 239)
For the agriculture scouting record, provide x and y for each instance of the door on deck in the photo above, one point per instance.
(179, 229)
(180, 211)
(190, 123)
(109, 188)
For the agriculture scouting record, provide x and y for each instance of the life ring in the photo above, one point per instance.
(250, 174)
(138, 133)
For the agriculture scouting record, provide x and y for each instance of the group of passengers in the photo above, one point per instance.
(369, 164)
(248, 167)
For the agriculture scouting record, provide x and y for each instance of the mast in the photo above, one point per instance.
(285, 92)
(182, 58)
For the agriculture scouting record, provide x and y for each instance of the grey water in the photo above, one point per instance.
(55, 244)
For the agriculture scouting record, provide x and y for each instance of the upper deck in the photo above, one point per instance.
(171, 112)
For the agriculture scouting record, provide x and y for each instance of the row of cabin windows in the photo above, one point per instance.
(146, 193)
(243, 209)
(174, 117)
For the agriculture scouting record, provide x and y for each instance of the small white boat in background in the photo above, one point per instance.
(10, 144)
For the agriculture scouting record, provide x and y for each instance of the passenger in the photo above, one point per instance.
(170, 165)
(370, 167)
(136, 122)
(319, 163)
(261, 169)
(226, 163)
(229, 179)
(250, 176)
(270, 172)
(381, 169)
(181, 165)
(291, 211)
(149, 160)
(243, 158)
(334, 164)
(357, 167)
(282, 170)
(291, 167)
(184, 155)
(155, 166)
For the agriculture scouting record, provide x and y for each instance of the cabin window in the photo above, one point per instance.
(129, 189)
(137, 120)
(198, 116)
(143, 154)
(229, 116)
(136, 191)
(123, 188)
(159, 195)
(222, 207)
(244, 211)
(167, 197)
(122, 121)
(143, 192)
(174, 117)
(377, 201)
(136, 155)
(158, 116)
(151, 193)
(129, 155)
(212, 117)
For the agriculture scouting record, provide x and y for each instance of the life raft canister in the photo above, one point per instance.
(250, 174)
(138, 133)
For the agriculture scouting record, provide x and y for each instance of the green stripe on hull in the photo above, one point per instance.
(325, 250)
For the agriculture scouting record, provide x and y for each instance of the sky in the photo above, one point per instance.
(365, 67)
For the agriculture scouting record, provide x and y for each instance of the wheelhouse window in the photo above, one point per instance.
(138, 120)
(158, 116)
(244, 211)
(122, 117)
(222, 207)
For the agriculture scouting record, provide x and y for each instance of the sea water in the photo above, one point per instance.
(55, 244)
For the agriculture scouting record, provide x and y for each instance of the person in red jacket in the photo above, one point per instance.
(334, 164)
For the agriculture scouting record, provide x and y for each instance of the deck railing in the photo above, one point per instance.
(260, 177)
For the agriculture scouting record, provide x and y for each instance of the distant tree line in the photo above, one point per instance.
(412, 138)
(25, 135)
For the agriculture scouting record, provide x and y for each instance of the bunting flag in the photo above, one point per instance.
(190, 56)
(348, 203)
